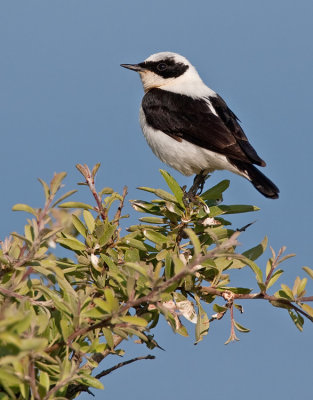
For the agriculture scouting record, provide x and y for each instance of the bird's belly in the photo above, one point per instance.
(185, 157)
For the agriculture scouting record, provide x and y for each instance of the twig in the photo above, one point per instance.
(61, 384)
(274, 265)
(6, 292)
(120, 207)
(32, 380)
(261, 296)
(122, 364)
(85, 171)
(233, 336)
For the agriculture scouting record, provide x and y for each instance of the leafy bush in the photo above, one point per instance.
(61, 317)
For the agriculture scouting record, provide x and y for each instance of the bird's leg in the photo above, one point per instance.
(198, 184)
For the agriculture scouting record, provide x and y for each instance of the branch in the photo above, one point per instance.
(90, 181)
(117, 216)
(75, 389)
(122, 364)
(262, 296)
(189, 269)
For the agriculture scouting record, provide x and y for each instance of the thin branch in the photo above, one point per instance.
(262, 296)
(117, 216)
(233, 335)
(274, 265)
(10, 293)
(122, 364)
(32, 379)
(61, 384)
(85, 171)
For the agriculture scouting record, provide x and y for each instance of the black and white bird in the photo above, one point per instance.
(190, 127)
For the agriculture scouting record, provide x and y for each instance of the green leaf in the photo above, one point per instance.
(73, 244)
(203, 322)
(65, 196)
(257, 270)
(137, 267)
(309, 271)
(45, 188)
(163, 194)
(288, 291)
(108, 337)
(153, 220)
(109, 295)
(155, 237)
(79, 226)
(44, 381)
(104, 305)
(76, 204)
(89, 380)
(216, 191)
(194, 240)
(108, 231)
(106, 190)
(217, 308)
(89, 220)
(56, 182)
(174, 186)
(8, 378)
(297, 319)
(241, 328)
(257, 251)
(24, 207)
(308, 309)
(133, 320)
(274, 278)
(301, 287)
(137, 244)
(237, 290)
(238, 208)
(95, 169)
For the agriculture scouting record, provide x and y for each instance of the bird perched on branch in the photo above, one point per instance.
(190, 127)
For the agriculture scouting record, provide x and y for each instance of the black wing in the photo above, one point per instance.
(181, 116)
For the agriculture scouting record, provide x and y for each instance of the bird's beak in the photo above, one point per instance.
(134, 67)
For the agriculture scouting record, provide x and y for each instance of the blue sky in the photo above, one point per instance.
(64, 99)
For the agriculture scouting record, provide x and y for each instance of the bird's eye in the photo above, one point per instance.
(161, 67)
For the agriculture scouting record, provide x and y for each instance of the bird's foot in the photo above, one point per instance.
(198, 184)
(196, 188)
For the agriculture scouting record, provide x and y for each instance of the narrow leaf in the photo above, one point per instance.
(215, 193)
(174, 186)
(76, 204)
(65, 196)
(90, 221)
(24, 207)
(73, 244)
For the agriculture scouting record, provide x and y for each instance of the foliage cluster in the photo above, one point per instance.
(60, 317)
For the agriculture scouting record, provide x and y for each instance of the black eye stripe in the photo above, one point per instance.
(161, 67)
(166, 68)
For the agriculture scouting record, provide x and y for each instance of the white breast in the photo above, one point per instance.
(185, 157)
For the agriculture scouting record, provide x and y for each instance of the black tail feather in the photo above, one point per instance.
(258, 179)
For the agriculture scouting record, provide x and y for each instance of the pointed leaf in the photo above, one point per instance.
(90, 221)
(174, 186)
(56, 182)
(215, 193)
(24, 207)
(65, 196)
(76, 204)
(73, 244)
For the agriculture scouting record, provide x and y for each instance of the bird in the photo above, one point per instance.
(190, 127)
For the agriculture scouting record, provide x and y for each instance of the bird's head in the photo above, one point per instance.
(165, 69)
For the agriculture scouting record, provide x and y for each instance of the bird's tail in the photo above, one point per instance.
(258, 180)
